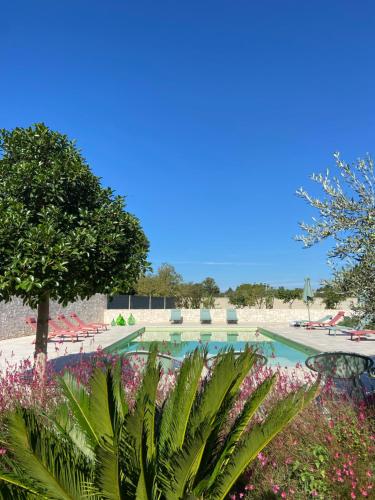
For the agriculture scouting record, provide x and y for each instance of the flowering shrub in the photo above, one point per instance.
(328, 450)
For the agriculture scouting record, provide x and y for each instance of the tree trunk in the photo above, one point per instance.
(40, 355)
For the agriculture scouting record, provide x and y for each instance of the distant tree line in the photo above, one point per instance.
(262, 295)
(167, 282)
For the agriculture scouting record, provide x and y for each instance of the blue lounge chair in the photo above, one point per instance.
(232, 316)
(205, 316)
(175, 316)
(303, 322)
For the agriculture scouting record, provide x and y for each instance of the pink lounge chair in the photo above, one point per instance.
(327, 324)
(63, 332)
(33, 324)
(360, 333)
(82, 324)
(53, 331)
(72, 326)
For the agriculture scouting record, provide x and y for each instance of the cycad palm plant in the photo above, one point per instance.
(187, 447)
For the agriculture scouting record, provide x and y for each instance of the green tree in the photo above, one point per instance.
(330, 296)
(146, 285)
(190, 295)
(164, 283)
(288, 296)
(210, 287)
(94, 446)
(63, 236)
(256, 294)
(168, 281)
(347, 215)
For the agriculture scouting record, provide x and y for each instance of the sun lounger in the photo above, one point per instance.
(82, 324)
(303, 322)
(176, 316)
(327, 324)
(63, 332)
(232, 316)
(358, 334)
(205, 316)
(33, 324)
(54, 330)
(72, 326)
(361, 325)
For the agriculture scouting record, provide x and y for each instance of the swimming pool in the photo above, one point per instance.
(178, 342)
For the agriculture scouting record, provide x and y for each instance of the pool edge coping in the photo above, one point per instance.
(308, 350)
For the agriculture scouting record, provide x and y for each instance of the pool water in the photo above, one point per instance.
(276, 352)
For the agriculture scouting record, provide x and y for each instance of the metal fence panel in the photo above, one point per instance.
(140, 302)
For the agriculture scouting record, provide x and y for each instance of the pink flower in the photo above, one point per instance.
(275, 488)
(283, 494)
(353, 495)
(314, 493)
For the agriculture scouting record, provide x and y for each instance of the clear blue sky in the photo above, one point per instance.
(207, 114)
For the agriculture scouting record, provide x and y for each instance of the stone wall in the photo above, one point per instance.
(13, 314)
(245, 315)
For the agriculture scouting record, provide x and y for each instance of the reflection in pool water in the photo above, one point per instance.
(276, 352)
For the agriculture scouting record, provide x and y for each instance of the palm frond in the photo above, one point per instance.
(140, 425)
(19, 484)
(183, 463)
(69, 428)
(227, 376)
(108, 473)
(176, 411)
(31, 461)
(238, 368)
(233, 436)
(259, 436)
(117, 393)
(79, 403)
(101, 405)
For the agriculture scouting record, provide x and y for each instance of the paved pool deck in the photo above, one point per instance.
(15, 350)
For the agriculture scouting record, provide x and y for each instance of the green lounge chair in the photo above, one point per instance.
(303, 322)
(175, 316)
(205, 316)
(232, 316)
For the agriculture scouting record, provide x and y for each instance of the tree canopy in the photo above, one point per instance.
(347, 215)
(253, 294)
(289, 295)
(330, 296)
(164, 283)
(63, 236)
